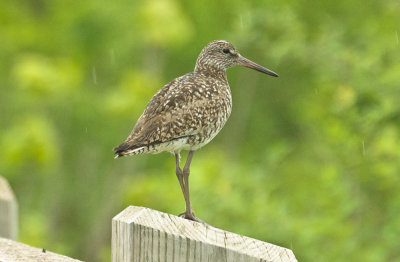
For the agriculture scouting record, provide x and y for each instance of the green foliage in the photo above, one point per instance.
(309, 161)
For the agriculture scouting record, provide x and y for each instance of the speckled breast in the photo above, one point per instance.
(214, 126)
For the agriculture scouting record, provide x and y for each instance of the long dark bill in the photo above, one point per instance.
(250, 64)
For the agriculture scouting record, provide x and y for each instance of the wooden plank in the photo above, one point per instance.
(12, 251)
(8, 211)
(141, 234)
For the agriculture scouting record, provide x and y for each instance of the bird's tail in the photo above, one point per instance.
(126, 150)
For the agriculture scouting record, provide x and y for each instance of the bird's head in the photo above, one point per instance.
(220, 55)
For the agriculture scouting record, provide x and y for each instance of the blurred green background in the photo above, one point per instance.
(309, 160)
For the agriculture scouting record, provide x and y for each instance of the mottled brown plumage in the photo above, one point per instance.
(188, 112)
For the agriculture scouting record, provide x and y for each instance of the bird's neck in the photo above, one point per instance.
(210, 70)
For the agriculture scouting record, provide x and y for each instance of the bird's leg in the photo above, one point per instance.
(179, 173)
(183, 178)
(189, 214)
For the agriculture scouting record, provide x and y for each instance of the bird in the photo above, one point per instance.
(188, 112)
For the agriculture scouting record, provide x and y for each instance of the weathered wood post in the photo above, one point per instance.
(11, 251)
(8, 211)
(142, 234)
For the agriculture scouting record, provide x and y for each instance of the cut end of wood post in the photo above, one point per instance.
(143, 234)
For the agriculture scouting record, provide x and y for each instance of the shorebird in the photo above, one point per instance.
(188, 112)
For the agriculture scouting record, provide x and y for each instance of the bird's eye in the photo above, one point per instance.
(226, 51)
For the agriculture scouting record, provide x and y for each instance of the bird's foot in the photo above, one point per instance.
(190, 215)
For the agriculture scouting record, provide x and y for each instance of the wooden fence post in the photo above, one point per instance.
(11, 251)
(141, 234)
(8, 211)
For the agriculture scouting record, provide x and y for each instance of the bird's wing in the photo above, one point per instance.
(177, 110)
(158, 99)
